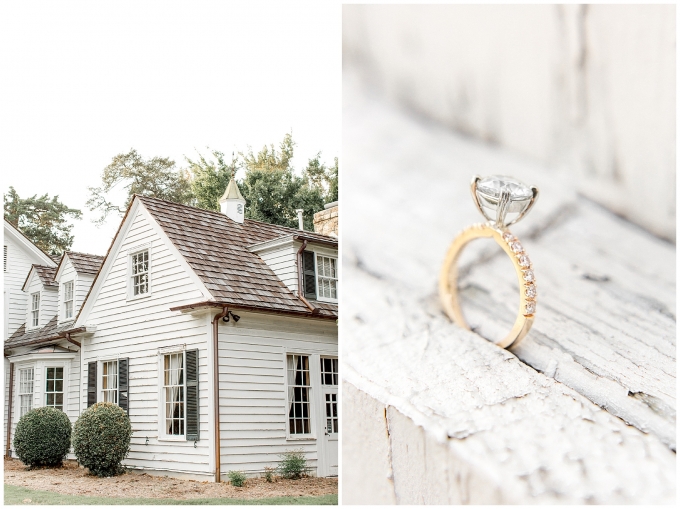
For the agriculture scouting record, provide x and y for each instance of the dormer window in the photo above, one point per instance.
(320, 276)
(35, 309)
(68, 300)
(327, 279)
(140, 273)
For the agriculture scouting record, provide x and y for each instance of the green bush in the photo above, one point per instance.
(101, 439)
(236, 478)
(269, 474)
(42, 437)
(293, 464)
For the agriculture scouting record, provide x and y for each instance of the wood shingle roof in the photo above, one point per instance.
(216, 248)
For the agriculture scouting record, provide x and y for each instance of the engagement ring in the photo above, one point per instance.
(502, 201)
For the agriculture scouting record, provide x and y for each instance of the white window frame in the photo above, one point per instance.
(130, 277)
(6, 257)
(162, 432)
(335, 372)
(72, 300)
(317, 275)
(40, 365)
(313, 373)
(22, 389)
(34, 313)
(64, 383)
(100, 382)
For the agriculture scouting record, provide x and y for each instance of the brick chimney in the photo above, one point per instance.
(326, 221)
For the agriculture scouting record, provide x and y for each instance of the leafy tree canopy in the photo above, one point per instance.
(42, 219)
(156, 177)
(272, 189)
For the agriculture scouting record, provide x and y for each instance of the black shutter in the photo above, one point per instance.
(193, 420)
(123, 384)
(91, 383)
(309, 273)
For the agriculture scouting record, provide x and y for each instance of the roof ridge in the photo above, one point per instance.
(81, 253)
(220, 214)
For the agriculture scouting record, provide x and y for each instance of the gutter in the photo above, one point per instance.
(221, 304)
(216, 389)
(9, 410)
(47, 339)
(298, 264)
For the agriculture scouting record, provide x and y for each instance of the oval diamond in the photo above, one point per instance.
(492, 186)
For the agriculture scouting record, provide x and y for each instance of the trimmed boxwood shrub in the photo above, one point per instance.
(101, 439)
(42, 437)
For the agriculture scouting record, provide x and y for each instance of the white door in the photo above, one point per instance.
(331, 424)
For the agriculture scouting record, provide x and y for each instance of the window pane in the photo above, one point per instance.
(299, 409)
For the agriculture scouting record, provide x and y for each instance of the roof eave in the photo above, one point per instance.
(195, 306)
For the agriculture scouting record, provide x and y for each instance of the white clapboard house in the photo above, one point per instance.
(217, 334)
(19, 254)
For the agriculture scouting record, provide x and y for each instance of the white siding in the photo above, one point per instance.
(48, 301)
(282, 261)
(81, 287)
(253, 398)
(137, 329)
(19, 263)
(6, 400)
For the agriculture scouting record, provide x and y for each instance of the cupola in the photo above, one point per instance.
(232, 202)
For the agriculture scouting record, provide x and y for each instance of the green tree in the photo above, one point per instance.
(156, 177)
(268, 159)
(42, 219)
(272, 189)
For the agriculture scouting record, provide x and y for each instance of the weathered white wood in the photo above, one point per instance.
(588, 88)
(545, 422)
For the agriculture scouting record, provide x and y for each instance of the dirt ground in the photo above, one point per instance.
(73, 480)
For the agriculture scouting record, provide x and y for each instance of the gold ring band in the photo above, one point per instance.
(448, 279)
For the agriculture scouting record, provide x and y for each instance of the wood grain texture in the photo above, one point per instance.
(582, 411)
(589, 89)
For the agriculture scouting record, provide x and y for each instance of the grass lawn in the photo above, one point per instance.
(15, 495)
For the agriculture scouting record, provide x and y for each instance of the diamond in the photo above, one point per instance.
(516, 247)
(493, 185)
(531, 290)
(531, 307)
(508, 237)
(524, 261)
(502, 200)
(528, 275)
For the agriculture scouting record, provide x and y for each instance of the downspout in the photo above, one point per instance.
(9, 409)
(216, 389)
(68, 338)
(301, 281)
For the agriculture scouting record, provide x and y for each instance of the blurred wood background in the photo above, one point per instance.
(588, 90)
(583, 411)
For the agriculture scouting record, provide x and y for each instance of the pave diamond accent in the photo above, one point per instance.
(528, 275)
(531, 307)
(524, 261)
(531, 291)
(508, 237)
(516, 247)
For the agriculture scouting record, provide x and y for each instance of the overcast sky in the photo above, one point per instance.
(84, 81)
